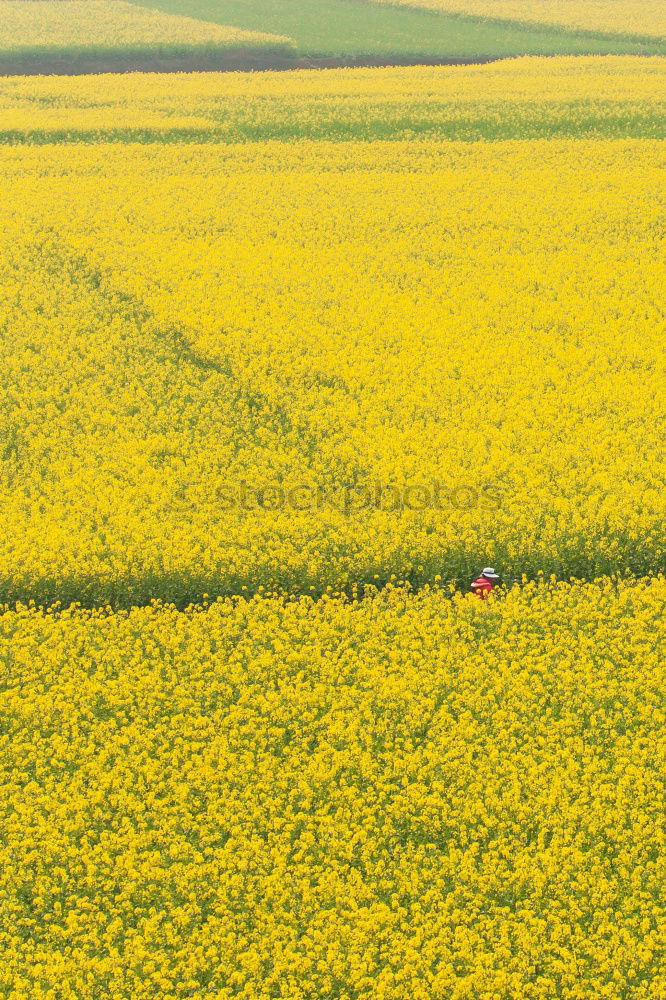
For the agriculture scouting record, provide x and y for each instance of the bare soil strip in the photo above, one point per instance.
(246, 60)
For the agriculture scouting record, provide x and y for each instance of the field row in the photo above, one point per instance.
(614, 97)
(408, 797)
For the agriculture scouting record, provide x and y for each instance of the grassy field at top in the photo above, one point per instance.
(313, 364)
(353, 29)
(640, 18)
(72, 36)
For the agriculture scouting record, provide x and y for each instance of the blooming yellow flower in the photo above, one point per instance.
(412, 796)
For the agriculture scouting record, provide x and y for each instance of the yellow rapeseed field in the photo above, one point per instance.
(310, 364)
(572, 97)
(631, 17)
(44, 24)
(267, 343)
(403, 798)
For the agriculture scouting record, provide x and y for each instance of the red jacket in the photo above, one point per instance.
(482, 587)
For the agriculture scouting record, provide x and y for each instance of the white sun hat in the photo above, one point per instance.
(490, 573)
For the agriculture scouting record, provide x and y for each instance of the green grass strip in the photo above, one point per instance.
(355, 27)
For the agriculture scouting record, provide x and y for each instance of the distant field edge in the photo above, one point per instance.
(593, 34)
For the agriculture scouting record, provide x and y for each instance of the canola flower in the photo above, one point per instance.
(526, 98)
(646, 18)
(410, 796)
(110, 24)
(404, 797)
(180, 320)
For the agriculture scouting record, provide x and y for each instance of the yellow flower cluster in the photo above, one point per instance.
(30, 24)
(402, 798)
(627, 17)
(517, 98)
(312, 364)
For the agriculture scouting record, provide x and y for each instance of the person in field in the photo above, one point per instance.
(484, 585)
